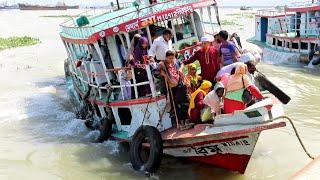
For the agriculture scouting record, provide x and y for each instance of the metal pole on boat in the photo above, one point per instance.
(173, 31)
(97, 48)
(194, 25)
(128, 40)
(153, 89)
(201, 19)
(210, 18)
(118, 4)
(149, 35)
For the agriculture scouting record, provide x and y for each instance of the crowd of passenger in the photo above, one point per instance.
(224, 85)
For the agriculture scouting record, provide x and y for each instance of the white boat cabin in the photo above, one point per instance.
(97, 48)
(293, 29)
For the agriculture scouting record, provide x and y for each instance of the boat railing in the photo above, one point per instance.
(305, 3)
(269, 12)
(72, 30)
(92, 74)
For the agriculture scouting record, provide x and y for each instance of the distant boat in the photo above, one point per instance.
(40, 7)
(244, 8)
(4, 5)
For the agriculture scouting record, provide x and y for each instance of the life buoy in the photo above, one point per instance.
(105, 130)
(150, 135)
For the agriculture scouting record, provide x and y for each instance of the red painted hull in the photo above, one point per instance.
(232, 162)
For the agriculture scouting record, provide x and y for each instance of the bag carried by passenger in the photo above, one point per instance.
(246, 95)
(205, 114)
(171, 81)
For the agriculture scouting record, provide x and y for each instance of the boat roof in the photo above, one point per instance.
(303, 6)
(128, 19)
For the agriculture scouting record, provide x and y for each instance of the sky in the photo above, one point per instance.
(104, 2)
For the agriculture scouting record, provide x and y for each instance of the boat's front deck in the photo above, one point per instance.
(202, 131)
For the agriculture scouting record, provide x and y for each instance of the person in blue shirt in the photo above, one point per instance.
(228, 50)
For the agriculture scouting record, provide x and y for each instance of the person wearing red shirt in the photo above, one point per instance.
(209, 60)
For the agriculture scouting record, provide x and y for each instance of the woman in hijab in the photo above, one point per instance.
(196, 101)
(237, 84)
(139, 57)
(140, 51)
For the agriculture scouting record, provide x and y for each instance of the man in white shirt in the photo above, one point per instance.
(161, 45)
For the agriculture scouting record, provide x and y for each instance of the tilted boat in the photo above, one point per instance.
(95, 85)
(245, 8)
(291, 34)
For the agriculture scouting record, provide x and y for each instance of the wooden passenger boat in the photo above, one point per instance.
(93, 71)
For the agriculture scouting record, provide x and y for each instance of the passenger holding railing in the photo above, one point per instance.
(169, 70)
(208, 58)
(140, 54)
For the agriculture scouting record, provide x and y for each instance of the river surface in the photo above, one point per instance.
(42, 139)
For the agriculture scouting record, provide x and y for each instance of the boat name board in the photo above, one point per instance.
(139, 23)
(170, 14)
(240, 146)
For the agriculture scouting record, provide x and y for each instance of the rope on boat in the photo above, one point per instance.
(297, 134)
(277, 118)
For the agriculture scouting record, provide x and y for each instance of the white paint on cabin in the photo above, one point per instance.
(114, 54)
(258, 33)
(144, 114)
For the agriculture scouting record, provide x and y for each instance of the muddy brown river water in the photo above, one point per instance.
(42, 139)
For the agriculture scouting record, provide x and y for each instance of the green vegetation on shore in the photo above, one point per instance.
(13, 42)
(242, 15)
(229, 23)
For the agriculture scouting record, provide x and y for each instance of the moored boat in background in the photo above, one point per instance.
(291, 34)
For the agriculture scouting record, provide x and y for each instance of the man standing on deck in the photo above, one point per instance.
(228, 51)
(161, 45)
(158, 50)
(208, 58)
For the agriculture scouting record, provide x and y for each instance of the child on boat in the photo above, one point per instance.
(197, 101)
(169, 70)
(192, 80)
(125, 80)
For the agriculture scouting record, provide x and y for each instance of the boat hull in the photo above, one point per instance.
(229, 153)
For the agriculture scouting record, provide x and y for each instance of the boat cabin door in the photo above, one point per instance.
(261, 29)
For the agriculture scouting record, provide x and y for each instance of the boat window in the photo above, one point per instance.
(125, 116)
(122, 48)
(183, 27)
(295, 46)
(105, 53)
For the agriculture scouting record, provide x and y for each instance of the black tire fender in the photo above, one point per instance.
(156, 149)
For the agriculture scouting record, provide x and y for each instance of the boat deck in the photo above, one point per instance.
(206, 130)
